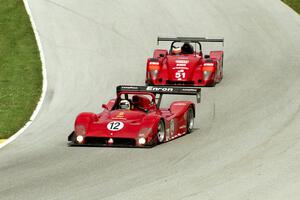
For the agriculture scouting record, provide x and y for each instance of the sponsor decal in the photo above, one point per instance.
(120, 115)
(209, 64)
(182, 58)
(189, 90)
(130, 87)
(158, 89)
(115, 125)
(153, 63)
(182, 61)
(180, 68)
(181, 65)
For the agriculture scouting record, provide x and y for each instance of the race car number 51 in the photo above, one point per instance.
(115, 125)
(180, 74)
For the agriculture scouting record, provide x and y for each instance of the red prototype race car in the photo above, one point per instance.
(134, 118)
(185, 65)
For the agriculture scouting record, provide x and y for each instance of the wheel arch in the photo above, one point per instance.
(85, 118)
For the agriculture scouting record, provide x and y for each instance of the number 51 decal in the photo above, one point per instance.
(115, 125)
(180, 74)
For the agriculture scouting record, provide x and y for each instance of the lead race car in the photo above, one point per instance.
(185, 65)
(134, 118)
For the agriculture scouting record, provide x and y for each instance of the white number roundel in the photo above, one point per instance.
(115, 126)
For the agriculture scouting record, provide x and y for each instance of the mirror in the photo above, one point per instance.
(161, 55)
(104, 106)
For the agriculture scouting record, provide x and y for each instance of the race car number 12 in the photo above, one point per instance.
(115, 125)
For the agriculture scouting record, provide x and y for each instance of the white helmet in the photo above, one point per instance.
(176, 50)
(124, 104)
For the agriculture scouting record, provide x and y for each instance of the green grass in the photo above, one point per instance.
(295, 4)
(20, 68)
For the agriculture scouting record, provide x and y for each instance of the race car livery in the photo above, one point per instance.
(185, 65)
(134, 118)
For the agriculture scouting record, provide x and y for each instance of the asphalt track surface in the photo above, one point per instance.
(246, 143)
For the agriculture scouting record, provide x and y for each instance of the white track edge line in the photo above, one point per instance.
(44, 87)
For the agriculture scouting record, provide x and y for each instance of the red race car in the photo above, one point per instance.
(134, 118)
(185, 65)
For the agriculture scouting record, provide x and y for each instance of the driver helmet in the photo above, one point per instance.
(124, 104)
(187, 48)
(176, 50)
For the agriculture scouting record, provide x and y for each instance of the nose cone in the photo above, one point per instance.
(181, 68)
(118, 123)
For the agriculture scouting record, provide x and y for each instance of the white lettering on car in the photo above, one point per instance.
(115, 125)
(180, 67)
(157, 89)
(182, 61)
(180, 74)
(153, 63)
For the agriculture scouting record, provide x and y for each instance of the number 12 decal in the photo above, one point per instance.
(115, 125)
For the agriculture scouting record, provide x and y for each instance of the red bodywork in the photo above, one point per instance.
(192, 69)
(139, 121)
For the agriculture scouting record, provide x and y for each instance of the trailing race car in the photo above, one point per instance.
(185, 65)
(134, 118)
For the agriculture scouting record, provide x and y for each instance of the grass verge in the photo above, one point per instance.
(295, 4)
(20, 68)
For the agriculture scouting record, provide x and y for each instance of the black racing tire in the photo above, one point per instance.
(190, 120)
(149, 83)
(222, 68)
(161, 132)
(211, 84)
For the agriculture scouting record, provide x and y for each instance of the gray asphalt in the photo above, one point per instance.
(246, 142)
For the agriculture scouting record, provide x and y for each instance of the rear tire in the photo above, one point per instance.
(149, 84)
(190, 120)
(222, 69)
(161, 132)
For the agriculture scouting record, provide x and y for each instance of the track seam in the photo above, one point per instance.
(44, 73)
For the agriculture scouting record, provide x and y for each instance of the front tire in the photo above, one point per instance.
(161, 132)
(190, 120)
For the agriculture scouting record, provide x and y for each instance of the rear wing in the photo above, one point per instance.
(189, 39)
(196, 91)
